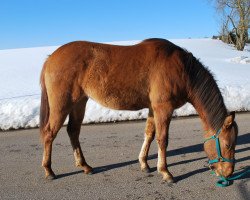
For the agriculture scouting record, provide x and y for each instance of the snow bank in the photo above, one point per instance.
(20, 90)
(240, 59)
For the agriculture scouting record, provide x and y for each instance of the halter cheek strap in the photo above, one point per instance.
(219, 158)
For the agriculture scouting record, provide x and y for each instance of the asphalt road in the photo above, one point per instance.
(112, 149)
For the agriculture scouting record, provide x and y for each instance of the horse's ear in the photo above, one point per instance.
(229, 120)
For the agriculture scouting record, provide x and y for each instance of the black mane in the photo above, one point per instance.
(205, 90)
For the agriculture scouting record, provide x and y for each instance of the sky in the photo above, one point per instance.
(32, 23)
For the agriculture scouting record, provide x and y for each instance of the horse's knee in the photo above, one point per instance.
(73, 133)
(150, 124)
(50, 131)
(71, 129)
(150, 136)
(74, 125)
(150, 128)
(49, 137)
(161, 142)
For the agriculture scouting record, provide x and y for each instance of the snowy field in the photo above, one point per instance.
(20, 89)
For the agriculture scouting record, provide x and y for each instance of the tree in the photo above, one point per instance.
(235, 21)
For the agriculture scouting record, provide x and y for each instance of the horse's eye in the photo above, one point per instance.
(228, 146)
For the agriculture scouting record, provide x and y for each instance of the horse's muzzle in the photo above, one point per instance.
(225, 170)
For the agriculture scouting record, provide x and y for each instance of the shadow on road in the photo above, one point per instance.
(68, 174)
(242, 139)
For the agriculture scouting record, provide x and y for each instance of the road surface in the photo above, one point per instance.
(112, 149)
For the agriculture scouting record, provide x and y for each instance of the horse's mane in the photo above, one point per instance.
(205, 92)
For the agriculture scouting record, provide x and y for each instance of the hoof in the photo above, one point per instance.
(168, 179)
(50, 177)
(88, 170)
(49, 174)
(146, 170)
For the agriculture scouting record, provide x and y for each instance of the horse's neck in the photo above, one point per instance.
(212, 121)
(203, 115)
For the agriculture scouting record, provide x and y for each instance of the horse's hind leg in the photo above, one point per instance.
(75, 120)
(56, 120)
(148, 138)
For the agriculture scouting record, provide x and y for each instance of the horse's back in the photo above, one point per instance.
(118, 77)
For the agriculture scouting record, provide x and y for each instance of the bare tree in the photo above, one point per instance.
(235, 21)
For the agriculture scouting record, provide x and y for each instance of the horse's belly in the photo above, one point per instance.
(115, 89)
(122, 100)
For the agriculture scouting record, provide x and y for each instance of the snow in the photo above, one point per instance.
(240, 59)
(20, 89)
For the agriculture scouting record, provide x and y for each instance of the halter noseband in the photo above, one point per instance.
(219, 158)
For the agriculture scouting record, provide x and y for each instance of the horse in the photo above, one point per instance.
(154, 74)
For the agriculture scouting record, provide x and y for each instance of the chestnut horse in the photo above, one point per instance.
(154, 74)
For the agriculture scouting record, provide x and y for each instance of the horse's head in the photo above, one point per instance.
(220, 148)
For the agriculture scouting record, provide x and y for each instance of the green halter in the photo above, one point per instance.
(223, 182)
(219, 158)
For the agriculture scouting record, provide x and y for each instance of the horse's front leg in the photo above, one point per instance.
(162, 116)
(148, 138)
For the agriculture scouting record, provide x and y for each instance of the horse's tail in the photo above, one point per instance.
(44, 109)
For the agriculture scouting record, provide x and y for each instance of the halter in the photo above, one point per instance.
(223, 182)
(219, 158)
